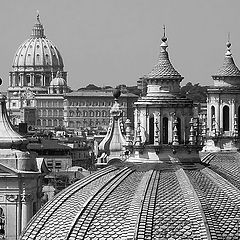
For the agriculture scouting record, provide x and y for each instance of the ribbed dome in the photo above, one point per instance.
(58, 80)
(147, 201)
(38, 51)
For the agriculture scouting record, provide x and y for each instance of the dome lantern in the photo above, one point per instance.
(38, 30)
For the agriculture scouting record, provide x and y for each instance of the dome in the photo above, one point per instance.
(38, 51)
(58, 80)
(147, 201)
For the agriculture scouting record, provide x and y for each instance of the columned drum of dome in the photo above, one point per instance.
(35, 63)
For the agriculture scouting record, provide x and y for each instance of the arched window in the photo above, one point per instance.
(60, 112)
(97, 114)
(38, 122)
(44, 112)
(44, 122)
(85, 113)
(49, 122)
(55, 123)
(2, 224)
(104, 113)
(212, 116)
(225, 118)
(179, 130)
(50, 113)
(91, 114)
(165, 130)
(60, 122)
(55, 113)
(151, 130)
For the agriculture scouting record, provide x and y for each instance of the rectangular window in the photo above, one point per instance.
(50, 164)
(58, 165)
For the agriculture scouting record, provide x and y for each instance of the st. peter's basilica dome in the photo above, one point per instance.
(37, 52)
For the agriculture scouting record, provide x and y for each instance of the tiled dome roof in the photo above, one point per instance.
(164, 68)
(38, 51)
(147, 201)
(228, 69)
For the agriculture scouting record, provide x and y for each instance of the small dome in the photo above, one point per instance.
(38, 51)
(58, 80)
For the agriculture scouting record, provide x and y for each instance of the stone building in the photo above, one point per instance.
(20, 179)
(223, 106)
(161, 191)
(83, 109)
(162, 108)
(37, 79)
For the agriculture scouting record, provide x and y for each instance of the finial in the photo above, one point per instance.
(228, 44)
(38, 16)
(164, 38)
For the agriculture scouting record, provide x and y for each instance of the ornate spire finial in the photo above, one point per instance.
(228, 44)
(164, 38)
(38, 16)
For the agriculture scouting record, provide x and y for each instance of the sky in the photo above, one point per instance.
(112, 42)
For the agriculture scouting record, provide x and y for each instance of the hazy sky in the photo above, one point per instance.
(108, 42)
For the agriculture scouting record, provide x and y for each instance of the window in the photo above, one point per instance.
(44, 112)
(38, 122)
(55, 122)
(50, 113)
(165, 130)
(104, 113)
(60, 112)
(71, 113)
(225, 118)
(49, 122)
(50, 164)
(58, 165)
(98, 114)
(38, 81)
(212, 117)
(91, 114)
(55, 113)
(14, 104)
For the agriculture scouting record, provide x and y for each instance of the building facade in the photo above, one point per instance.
(91, 109)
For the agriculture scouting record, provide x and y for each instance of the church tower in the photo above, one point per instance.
(162, 111)
(223, 105)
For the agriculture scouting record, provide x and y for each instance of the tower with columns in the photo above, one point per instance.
(223, 105)
(163, 111)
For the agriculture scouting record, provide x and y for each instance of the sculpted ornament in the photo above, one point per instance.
(23, 197)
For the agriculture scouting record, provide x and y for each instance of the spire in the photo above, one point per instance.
(228, 69)
(38, 30)
(164, 68)
(114, 141)
(8, 137)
